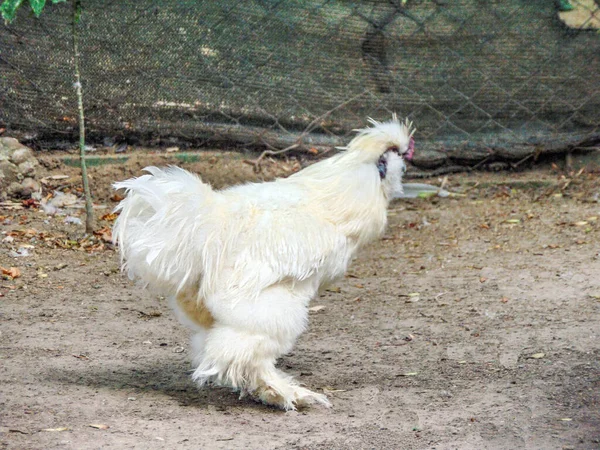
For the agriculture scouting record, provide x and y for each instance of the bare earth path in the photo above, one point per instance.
(474, 324)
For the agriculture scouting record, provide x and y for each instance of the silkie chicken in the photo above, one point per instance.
(241, 265)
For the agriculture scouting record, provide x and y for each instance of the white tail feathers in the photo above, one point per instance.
(161, 228)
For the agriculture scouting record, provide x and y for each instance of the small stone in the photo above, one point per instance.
(9, 171)
(10, 143)
(21, 155)
(14, 189)
(29, 187)
(27, 168)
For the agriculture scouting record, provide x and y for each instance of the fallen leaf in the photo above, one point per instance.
(537, 355)
(513, 221)
(104, 233)
(99, 426)
(317, 308)
(359, 286)
(28, 203)
(12, 272)
(413, 297)
(482, 279)
(336, 290)
(408, 374)
(116, 197)
(313, 151)
(330, 390)
(109, 217)
(566, 419)
(504, 299)
(56, 429)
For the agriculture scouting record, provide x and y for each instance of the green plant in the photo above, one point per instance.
(8, 9)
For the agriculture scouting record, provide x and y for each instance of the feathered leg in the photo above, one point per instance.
(241, 348)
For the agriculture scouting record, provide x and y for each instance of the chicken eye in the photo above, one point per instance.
(382, 167)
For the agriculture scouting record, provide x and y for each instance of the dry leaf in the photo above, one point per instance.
(317, 308)
(109, 217)
(56, 429)
(538, 355)
(99, 426)
(12, 272)
(104, 233)
(116, 197)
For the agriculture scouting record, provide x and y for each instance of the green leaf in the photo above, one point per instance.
(565, 5)
(37, 6)
(9, 9)
(58, 1)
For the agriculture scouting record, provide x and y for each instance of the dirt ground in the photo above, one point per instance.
(473, 324)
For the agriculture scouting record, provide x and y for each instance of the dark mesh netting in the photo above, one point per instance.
(477, 77)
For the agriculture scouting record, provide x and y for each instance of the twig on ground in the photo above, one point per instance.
(521, 161)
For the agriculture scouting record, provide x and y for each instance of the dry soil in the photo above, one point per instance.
(473, 324)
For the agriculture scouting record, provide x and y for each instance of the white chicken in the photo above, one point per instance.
(241, 265)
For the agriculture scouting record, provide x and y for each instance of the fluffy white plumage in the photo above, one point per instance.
(241, 265)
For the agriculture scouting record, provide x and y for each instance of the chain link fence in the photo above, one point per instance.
(482, 80)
